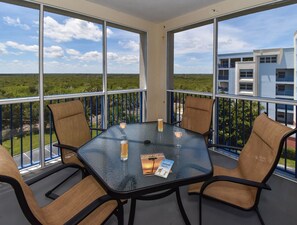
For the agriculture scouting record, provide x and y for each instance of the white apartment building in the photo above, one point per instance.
(265, 73)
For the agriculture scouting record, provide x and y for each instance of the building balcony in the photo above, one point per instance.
(228, 108)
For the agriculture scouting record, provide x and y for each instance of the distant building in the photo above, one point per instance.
(265, 73)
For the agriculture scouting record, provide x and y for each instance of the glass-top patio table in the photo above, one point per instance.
(125, 179)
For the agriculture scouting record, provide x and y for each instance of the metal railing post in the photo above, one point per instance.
(215, 77)
(41, 91)
(104, 81)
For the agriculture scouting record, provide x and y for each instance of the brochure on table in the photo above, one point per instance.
(164, 168)
(150, 162)
(156, 164)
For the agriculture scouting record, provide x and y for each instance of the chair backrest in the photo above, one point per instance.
(261, 153)
(197, 114)
(9, 173)
(70, 124)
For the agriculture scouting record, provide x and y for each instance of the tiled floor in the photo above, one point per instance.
(277, 206)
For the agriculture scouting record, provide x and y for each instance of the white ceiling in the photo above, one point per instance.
(156, 10)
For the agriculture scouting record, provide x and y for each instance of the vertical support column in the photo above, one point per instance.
(41, 91)
(170, 75)
(143, 74)
(104, 77)
(215, 79)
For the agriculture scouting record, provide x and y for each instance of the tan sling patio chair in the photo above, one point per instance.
(85, 203)
(197, 115)
(241, 187)
(72, 131)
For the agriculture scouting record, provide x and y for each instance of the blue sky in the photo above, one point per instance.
(70, 45)
(269, 29)
(75, 46)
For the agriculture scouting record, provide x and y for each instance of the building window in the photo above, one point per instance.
(246, 74)
(223, 87)
(123, 62)
(224, 63)
(246, 87)
(192, 68)
(233, 61)
(268, 59)
(247, 59)
(285, 89)
(223, 74)
(285, 75)
(283, 118)
(281, 74)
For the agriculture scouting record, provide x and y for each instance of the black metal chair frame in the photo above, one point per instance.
(74, 220)
(50, 194)
(261, 186)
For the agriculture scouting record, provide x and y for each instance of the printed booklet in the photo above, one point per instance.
(164, 168)
(150, 162)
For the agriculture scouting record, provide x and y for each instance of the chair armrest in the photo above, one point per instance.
(176, 122)
(234, 180)
(100, 129)
(88, 210)
(206, 133)
(225, 146)
(51, 172)
(69, 147)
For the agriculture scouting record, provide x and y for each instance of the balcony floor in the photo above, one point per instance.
(276, 206)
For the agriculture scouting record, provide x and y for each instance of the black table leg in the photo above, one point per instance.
(132, 211)
(181, 207)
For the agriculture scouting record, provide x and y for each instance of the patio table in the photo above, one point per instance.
(125, 179)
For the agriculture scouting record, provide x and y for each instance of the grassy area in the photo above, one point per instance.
(290, 162)
(194, 82)
(26, 143)
(35, 142)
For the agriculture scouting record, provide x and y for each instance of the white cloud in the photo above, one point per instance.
(200, 40)
(3, 49)
(53, 52)
(22, 47)
(65, 67)
(196, 40)
(113, 57)
(15, 22)
(87, 56)
(90, 56)
(72, 52)
(131, 45)
(71, 29)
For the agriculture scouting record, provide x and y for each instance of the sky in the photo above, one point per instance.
(71, 45)
(193, 49)
(75, 46)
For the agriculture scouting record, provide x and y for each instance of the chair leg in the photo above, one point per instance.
(120, 213)
(181, 207)
(132, 211)
(200, 209)
(259, 216)
(54, 196)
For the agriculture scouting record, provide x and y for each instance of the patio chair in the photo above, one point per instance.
(72, 131)
(241, 187)
(197, 115)
(85, 203)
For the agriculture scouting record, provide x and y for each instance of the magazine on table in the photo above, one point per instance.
(164, 168)
(150, 162)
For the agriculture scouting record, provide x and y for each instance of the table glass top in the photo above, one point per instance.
(102, 156)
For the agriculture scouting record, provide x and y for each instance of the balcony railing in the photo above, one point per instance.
(234, 116)
(19, 120)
